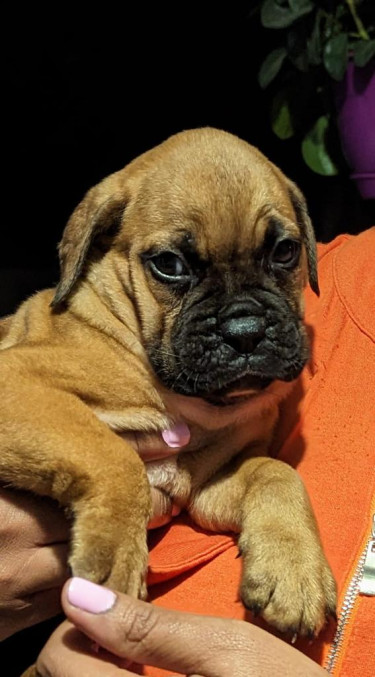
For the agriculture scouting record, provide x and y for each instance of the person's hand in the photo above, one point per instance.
(34, 537)
(110, 635)
(33, 560)
(155, 448)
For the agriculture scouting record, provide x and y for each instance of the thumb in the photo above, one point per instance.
(153, 447)
(199, 646)
(147, 635)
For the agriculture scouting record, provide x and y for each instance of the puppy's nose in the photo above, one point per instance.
(243, 333)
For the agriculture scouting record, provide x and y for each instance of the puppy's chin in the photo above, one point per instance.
(238, 391)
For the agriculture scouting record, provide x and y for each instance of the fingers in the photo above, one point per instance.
(33, 563)
(47, 568)
(176, 436)
(133, 632)
(37, 608)
(30, 587)
(149, 635)
(69, 653)
(34, 520)
(155, 447)
(35, 570)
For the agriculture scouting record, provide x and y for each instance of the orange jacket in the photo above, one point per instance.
(329, 436)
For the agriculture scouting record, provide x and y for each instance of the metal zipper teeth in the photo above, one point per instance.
(346, 609)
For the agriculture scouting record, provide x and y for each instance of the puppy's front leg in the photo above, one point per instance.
(55, 446)
(286, 576)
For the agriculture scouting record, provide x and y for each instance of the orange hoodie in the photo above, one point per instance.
(329, 436)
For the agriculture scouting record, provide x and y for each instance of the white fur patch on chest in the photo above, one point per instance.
(163, 474)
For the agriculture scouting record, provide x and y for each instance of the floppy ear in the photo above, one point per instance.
(100, 210)
(304, 221)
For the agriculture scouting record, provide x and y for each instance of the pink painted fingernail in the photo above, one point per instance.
(90, 597)
(177, 436)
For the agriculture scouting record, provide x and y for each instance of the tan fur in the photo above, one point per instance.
(74, 376)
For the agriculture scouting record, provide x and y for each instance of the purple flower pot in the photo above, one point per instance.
(355, 100)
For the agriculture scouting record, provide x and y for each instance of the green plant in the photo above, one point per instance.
(316, 39)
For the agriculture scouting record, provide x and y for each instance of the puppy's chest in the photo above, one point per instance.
(164, 474)
(216, 438)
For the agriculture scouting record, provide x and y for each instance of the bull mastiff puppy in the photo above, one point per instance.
(180, 299)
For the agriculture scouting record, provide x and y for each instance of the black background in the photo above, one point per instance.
(83, 95)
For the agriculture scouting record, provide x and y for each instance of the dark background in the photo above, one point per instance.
(81, 96)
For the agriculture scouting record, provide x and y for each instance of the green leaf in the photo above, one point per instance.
(281, 119)
(301, 5)
(364, 50)
(335, 55)
(275, 15)
(314, 43)
(271, 66)
(314, 149)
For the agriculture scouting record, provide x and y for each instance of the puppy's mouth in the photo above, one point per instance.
(238, 391)
(227, 361)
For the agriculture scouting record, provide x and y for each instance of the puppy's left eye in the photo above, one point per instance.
(286, 253)
(168, 267)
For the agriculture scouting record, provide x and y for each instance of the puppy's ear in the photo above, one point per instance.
(98, 213)
(304, 221)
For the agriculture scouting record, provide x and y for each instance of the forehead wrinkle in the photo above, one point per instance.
(269, 214)
(229, 222)
(213, 229)
(222, 199)
(262, 217)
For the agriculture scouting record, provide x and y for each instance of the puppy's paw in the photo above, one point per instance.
(129, 568)
(119, 565)
(110, 547)
(288, 581)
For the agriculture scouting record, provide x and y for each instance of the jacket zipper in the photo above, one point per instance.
(362, 583)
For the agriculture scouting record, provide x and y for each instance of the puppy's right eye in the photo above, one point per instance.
(168, 267)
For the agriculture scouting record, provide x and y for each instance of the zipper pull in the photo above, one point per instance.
(367, 582)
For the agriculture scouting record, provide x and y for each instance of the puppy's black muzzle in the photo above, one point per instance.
(219, 348)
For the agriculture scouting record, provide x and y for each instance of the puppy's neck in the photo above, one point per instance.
(207, 421)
